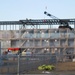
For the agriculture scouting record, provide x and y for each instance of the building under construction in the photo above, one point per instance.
(38, 36)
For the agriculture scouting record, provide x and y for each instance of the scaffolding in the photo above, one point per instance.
(37, 36)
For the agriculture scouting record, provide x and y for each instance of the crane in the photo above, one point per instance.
(62, 22)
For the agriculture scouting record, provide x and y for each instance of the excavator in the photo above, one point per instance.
(63, 23)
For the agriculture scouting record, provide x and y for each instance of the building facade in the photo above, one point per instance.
(37, 36)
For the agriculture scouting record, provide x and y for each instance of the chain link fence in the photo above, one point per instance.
(17, 64)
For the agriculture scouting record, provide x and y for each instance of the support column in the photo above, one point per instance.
(0, 48)
(74, 38)
(19, 36)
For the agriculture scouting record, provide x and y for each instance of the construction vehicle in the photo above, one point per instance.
(63, 23)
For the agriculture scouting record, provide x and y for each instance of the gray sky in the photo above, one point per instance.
(34, 9)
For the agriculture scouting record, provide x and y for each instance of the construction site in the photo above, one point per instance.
(38, 36)
(31, 37)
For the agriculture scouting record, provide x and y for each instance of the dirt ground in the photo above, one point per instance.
(65, 68)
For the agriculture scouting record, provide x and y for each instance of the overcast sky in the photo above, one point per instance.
(34, 9)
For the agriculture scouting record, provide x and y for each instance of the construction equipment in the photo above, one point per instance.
(63, 23)
(27, 21)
